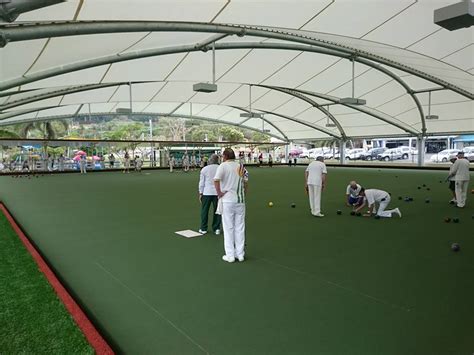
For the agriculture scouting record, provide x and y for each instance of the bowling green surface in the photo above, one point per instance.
(340, 284)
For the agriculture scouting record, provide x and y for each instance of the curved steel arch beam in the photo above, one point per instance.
(11, 114)
(116, 58)
(399, 80)
(384, 117)
(11, 33)
(203, 118)
(164, 51)
(313, 103)
(63, 91)
(264, 119)
(304, 123)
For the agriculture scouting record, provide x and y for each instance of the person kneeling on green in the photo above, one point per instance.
(208, 196)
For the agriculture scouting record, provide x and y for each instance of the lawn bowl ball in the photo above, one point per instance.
(428, 189)
(419, 187)
(455, 220)
(407, 199)
(377, 216)
(427, 200)
(423, 185)
(447, 219)
(410, 199)
(293, 205)
(270, 204)
(455, 247)
(353, 213)
(358, 214)
(339, 212)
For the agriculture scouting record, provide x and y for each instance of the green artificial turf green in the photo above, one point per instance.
(33, 320)
(336, 285)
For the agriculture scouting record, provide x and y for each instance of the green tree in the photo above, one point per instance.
(4, 133)
(43, 130)
(260, 137)
(231, 134)
(131, 131)
(199, 133)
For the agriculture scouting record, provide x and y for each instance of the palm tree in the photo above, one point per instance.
(4, 133)
(46, 130)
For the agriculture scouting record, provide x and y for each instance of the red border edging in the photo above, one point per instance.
(90, 332)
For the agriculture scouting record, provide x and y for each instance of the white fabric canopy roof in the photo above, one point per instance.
(296, 54)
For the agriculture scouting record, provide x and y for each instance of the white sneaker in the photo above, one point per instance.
(228, 259)
(318, 215)
(217, 232)
(397, 211)
(241, 258)
(202, 232)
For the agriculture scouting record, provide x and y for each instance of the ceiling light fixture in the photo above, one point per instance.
(206, 87)
(430, 116)
(352, 100)
(329, 124)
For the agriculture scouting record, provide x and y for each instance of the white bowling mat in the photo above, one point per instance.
(188, 233)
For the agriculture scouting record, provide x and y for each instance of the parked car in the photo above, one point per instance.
(372, 154)
(444, 156)
(469, 153)
(391, 154)
(318, 152)
(330, 154)
(406, 151)
(354, 154)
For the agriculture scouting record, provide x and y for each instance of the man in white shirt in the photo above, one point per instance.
(315, 181)
(208, 196)
(231, 185)
(459, 171)
(380, 197)
(352, 194)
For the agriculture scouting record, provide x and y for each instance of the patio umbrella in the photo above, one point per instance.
(296, 151)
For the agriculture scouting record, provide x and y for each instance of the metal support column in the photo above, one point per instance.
(342, 151)
(420, 145)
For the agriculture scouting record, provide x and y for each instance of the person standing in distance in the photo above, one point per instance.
(459, 171)
(230, 182)
(452, 184)
(315, 181)
(208, 196)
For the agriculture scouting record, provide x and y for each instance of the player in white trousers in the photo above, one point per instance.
(380, 197)
(459, 172)
(315, 181)
(231, 186)
(83, 164)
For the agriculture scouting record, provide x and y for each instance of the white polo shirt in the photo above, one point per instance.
(374, 195)
(206, 180)
(353, 192)
(315, 170)
(232, 176)
(461, 170)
